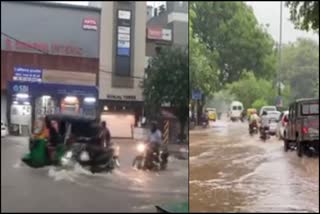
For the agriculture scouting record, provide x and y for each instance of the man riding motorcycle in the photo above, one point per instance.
(155, 138)
(264, 123)
(253, 121)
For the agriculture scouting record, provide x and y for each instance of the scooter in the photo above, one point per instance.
(148, 159)
(86, 156)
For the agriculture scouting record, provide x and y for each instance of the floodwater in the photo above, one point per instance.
(230, 171)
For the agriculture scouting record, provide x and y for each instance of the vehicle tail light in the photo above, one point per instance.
(304, 130)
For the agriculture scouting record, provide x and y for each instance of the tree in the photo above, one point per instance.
(300, 67)
(167, 82)
(254, 92)
(237, 42)
(203, 72)
(304, 14)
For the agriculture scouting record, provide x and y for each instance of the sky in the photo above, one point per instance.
(267, 12)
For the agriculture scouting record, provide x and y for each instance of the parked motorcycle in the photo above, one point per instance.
(149, 159)
(96, 159)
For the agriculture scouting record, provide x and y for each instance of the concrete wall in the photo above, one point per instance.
(56, 28)
(107, 52)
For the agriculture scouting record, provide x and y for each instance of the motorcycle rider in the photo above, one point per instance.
(264, 122)
(155, 138)
(253, 120)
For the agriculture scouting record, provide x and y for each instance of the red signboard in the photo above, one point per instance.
(53, 48)
(89, 24)
(154, 33)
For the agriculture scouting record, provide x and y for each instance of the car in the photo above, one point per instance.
(282, 124)
(302, 129)
(273, 122)
(267, 108)
(4, 129)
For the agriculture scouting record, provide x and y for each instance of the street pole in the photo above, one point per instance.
(279, 50)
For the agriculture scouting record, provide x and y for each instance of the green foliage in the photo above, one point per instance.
(304, 14)
(257, 104)
(167, 82)
(230, 31)
(253, 92)
(203, 72)
(300, 67)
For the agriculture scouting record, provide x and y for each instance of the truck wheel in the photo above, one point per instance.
(286, 145)
(299, 149)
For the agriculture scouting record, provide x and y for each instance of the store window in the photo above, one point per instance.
(70, 105)
(44, 105)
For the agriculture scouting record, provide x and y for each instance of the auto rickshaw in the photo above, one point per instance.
(71, 129)
(212, 114)
(177, 207)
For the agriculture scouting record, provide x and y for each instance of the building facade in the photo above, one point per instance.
(122, 58)
(49, 61)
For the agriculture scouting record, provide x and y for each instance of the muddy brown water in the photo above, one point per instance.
(231, 171)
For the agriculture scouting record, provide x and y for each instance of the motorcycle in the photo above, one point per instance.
(264, 133)
(149, 159)
(253, 129)
(205, 124)
(96, 159)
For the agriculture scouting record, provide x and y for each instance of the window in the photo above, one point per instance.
(310, 108)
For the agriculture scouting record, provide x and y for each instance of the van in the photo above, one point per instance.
(236, 109)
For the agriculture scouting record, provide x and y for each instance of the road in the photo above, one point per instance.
(51, 189)
(231, 171)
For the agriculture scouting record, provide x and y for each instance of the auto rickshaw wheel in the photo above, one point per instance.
(299, 149)
(286, 145)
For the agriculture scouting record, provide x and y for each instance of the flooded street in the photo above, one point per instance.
(78, 190)
(231, 171)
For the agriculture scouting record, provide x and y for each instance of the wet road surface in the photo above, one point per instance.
(51, 189)
(231, 171)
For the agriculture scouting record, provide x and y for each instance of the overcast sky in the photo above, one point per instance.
(267, 12)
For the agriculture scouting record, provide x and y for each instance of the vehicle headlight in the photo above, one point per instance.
(69, 154)
(141, 147)
(65, 161)
(84, 156)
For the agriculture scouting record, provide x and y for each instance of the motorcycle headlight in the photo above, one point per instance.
(65, 161)
(84, 156)
(69, 154)
(141, 147)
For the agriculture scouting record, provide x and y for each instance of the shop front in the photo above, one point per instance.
(28, 101)
(121, 116)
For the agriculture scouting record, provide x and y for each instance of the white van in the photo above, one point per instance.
(236, 109)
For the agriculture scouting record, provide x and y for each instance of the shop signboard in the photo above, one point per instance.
(123, 44)
(159, 34)
(27, 74)
(124, 14)
(89, 24)
(123, 51)
(125, 30)
(38, 89)
(123, 37)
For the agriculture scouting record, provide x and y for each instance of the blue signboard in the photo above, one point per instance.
(38, 89)
(27, 74)
(124, 51)
(196, 95)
